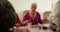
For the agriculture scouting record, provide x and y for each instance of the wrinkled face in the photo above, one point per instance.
(33, 7)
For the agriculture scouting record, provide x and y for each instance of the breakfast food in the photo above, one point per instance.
(35, 26)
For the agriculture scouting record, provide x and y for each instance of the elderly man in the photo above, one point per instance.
(55, 15)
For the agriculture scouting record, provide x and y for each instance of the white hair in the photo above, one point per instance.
(34, 4)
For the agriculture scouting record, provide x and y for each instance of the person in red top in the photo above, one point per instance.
(18, 21)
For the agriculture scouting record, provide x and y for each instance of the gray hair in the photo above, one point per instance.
(34, 4)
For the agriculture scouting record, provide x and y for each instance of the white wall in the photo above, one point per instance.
(43, 5)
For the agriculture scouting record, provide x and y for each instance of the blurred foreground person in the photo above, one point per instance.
(18, 21)
(32, 17)
(55, 15)
(7, 16)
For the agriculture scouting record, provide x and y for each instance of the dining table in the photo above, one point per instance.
(29, 29)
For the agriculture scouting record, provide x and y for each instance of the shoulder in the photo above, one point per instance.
(25, 13)
(38, 13)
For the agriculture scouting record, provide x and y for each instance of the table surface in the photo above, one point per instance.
(32, 29)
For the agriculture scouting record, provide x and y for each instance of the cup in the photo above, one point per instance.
(29, 24)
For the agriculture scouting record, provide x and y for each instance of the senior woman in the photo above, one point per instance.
(32, 16)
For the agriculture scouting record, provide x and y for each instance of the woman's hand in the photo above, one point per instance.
(24, 22)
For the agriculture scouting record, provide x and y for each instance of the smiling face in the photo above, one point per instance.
(33, 7)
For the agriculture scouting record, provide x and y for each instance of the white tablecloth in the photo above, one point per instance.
(31, 29)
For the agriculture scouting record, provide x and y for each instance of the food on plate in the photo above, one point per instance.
(35, 26)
